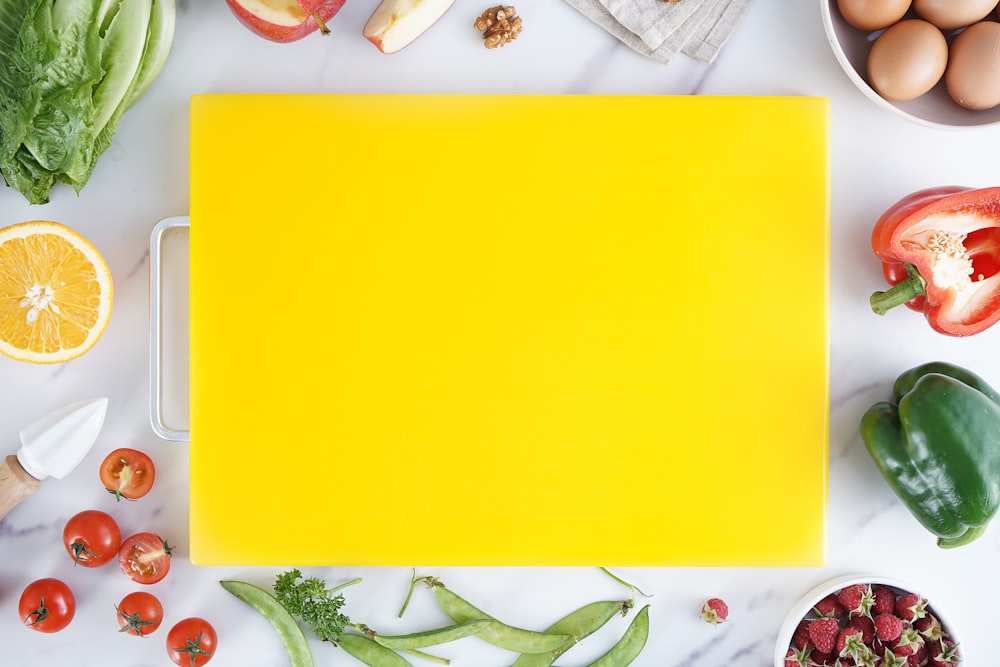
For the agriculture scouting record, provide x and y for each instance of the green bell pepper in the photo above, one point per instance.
(938, 446)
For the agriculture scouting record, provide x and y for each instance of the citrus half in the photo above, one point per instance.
(55, 293)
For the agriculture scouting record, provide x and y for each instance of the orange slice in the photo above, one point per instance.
(55, 293)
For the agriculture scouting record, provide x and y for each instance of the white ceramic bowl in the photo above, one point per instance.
(934, 108)
(803, 607)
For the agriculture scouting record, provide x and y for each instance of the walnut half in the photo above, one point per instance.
(500, 25)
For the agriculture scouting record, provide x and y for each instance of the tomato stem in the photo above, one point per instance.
(133, 622)
(39, 614)
(80, 550)
(194, 649)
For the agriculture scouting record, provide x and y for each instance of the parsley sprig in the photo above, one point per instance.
(314, 603)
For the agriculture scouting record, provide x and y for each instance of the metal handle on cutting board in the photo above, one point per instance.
(156, 330)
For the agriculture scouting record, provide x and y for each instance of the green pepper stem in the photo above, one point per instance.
(900, 293)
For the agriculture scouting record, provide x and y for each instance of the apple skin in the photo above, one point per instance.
(277, 32)
(396, 23)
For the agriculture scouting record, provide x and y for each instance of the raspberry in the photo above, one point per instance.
(945, 654)
(714, 611)
(910, 642)
(857, 599)
(930, 627)
(850, 642)
(820, 658)
(823, 634)
(799, 657)
(829, 607)
(888, 627)
(885, 600)
(919, 658)
(890, 659)
(866, 625)
(800, 638)
(911, 607)
(791, 659)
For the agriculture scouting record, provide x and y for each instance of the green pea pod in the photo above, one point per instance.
(577, 624)
(371, 652)
(432, 637)
(280, 619)
(496, 632)
(630, 645)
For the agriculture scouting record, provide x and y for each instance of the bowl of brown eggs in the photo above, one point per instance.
(934, 62)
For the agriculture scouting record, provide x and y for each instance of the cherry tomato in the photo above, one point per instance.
(127, 473)
(92, 538)
(191, 642)
(139, 614)
(145, 558)
(47, 605)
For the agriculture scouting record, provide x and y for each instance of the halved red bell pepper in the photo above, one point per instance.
(940, 251)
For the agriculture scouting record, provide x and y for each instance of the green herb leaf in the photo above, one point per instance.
(313, 602)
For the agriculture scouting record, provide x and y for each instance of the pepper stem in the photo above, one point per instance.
(900, 293)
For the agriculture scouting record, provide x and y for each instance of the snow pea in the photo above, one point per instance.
(431, 637)
(280, 619)
(371, 652)
(577, 624)
(496, 632)
(630, 645)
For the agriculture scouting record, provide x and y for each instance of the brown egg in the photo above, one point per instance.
(973, 76)
(953, 14)
(872, 14)
(907, 60)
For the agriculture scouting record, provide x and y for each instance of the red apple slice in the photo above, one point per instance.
(285, 20)
(396, 23)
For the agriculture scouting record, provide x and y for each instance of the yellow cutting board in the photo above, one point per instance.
(509, 330)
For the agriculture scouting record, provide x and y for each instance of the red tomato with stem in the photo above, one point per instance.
(127, 473)
(145, 558)
(92, 538)
(47, 605)
(139, 614)
(191, 642)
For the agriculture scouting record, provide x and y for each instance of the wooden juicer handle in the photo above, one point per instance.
(15, 484)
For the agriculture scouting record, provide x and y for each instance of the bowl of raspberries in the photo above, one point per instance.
(866, 621)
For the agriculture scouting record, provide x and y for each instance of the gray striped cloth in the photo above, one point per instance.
(660, 30)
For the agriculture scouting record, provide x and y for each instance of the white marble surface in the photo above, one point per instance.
(779, 49)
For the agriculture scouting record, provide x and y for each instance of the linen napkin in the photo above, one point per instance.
(660, 30)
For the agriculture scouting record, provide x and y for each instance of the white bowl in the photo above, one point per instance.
(934, 108)
(802, 608)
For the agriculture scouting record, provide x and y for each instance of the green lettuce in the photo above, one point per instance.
(68, 70)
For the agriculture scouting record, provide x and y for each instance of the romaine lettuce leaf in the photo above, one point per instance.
(68, 70)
